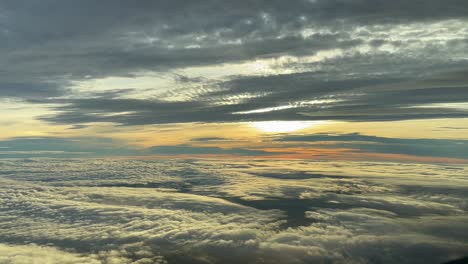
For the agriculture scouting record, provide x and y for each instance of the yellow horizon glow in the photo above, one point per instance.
(283, 126)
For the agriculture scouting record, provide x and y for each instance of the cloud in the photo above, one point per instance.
(376, 60)
(26, 147)
(81, 210)
(172, 62)
(451, 148)
(79, 147)
(18, 254)
(300, 96)
(10, 254)
(209, 139)
(193, 150)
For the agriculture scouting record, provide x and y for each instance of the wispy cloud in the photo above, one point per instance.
(367, 62)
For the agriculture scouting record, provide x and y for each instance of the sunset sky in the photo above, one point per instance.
(355, 79)
(233, 131)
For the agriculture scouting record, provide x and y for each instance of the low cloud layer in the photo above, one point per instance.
(53, 147)
(360, 145)
(451, 148)
(187, 211)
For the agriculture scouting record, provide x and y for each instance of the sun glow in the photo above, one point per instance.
(283, 126)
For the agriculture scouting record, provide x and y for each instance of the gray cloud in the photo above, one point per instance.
(81, 147)
(310, 96)
(380, 49)
(27, 147)
(451, 148)
(191, 150)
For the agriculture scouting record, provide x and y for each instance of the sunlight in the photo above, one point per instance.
(283, 126)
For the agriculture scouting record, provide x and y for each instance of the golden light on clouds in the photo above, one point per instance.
(284, 126)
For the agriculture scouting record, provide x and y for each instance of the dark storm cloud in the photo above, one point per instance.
(46, 45)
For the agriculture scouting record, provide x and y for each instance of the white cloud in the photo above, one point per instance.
(237, 211)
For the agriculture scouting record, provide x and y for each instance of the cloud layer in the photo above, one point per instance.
(218, 61)
(189, 211)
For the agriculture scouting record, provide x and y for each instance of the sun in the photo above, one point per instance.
(283, 126)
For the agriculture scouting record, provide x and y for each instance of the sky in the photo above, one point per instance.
(247, 131)
(155, 78)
